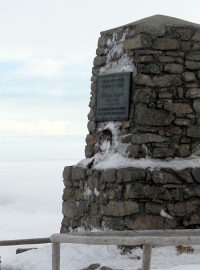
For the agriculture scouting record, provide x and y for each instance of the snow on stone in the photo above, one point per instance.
(165, 215)
(87, 192)
(96, 192)
(114, 156)
(117, 60)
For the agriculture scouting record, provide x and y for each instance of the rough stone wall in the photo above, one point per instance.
(165, 102)
(131, 198)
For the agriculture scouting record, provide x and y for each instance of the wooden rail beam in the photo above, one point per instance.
(25, 241)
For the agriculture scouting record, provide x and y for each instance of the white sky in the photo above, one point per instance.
(46, 53)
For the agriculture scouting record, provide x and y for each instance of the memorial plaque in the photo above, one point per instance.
(113, 94)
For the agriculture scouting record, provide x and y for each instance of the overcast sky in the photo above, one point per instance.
(46, 53)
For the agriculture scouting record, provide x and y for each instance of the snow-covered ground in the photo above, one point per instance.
(76, 257)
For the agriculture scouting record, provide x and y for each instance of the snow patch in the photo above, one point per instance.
(117, 59)
(87, 192)
(165, 215)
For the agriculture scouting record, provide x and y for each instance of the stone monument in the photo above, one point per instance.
(142, 166)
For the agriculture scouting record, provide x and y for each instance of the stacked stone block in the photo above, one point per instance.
(165, 100)
(131, 198)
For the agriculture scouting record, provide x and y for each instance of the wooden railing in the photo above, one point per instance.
(128, 238)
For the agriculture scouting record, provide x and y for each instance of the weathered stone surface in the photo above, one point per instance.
(138, 42)
(91, 126)
(146, 191)
(196, 106)
(114, 223)
(151, 68)
(160, 81)
(145, 222)
(192, 65)
(163, 152)
(193, 220)
(130, 174)
(162, 177)
(190, 193)
(178, 108)
(152, 117)
(182, 209)
(173, 68)
(196, 174)
(193, 131)
(166, 59)
(67, 172)
(108, 176)
(184, 150)
(78, 173)
(196, 36)
(166, 44)
(143, 95)
(89, 151)
(147, 137)
(189, 76)
(68, 193)
(193, 55)
(99, 60)
(92, 139)
(193, 93)
(153, 208)
(69, 209)
(185, 175)
(133, 150)
(182, 121)
(120, 209)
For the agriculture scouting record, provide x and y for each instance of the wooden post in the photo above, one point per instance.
(146, 261)
(55, 256)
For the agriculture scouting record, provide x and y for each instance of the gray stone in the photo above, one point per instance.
(68, 193)
(191, 192)
(163, 152)
(193, 93)
(89, 151)
(192, 65)
(153, 208)
(193, 220)
(182, 209)
(69, 209)
(194, 56)
(189, 76)
(143, 95)
(159, 81)
(67, 173)
(114, 223)
(182, 121)
(184, 150)
(185, 175)
(138, 42)
(166, 44)
(126, 138)
(145, 222)
(173, 68)
(178, 108)
(102, 42)
(193, 131)
(139, 191)
(108, 175)
(133, 150)
(130, 174)
(120, 209)
(166, 59)
(99, 60)
(196, 36)
(152, 117)
(162, 177)
(196, 174)
(91, 126)
(147, 138)
(78, 173)
(92, 138)
(196, 106)
(143, 59)
(151, 68)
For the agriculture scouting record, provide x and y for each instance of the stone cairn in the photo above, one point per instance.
(163, 54)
